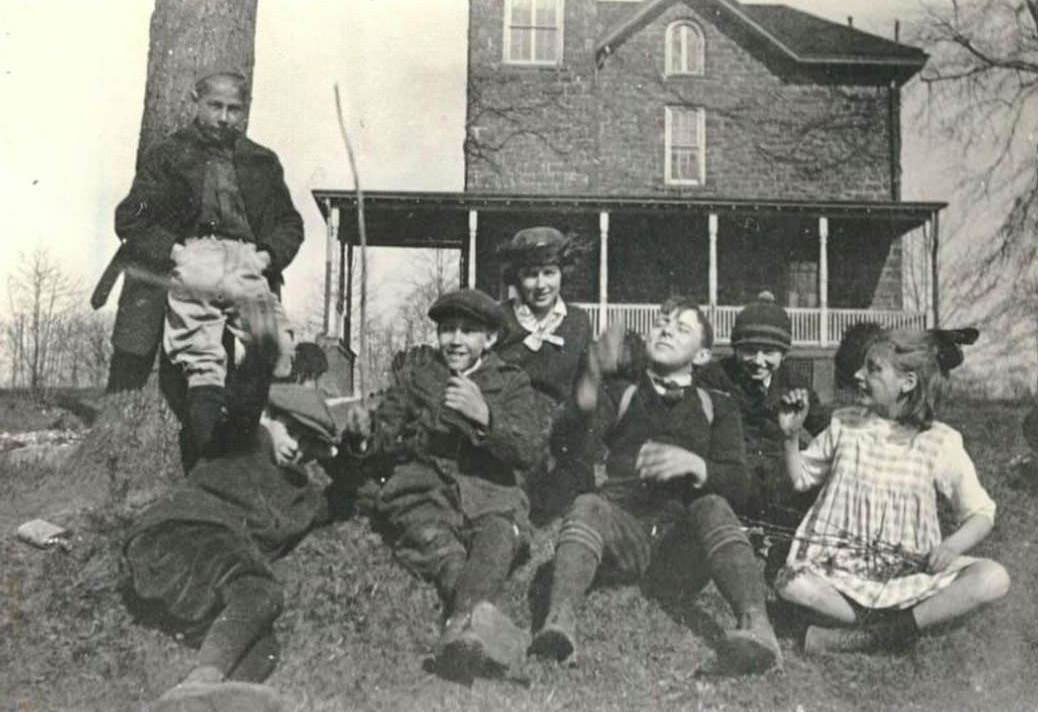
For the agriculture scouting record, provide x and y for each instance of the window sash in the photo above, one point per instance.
(533, 29)
(684, 49)
(685, 146)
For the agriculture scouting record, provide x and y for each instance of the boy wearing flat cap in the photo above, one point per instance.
(199, 558)
(757, 378)
(448, 440)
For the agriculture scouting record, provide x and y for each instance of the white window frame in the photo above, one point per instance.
(668, 146)
(560, 7)
(684, 70)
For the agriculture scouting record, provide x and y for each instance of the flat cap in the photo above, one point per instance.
(472, 303)
(305, 406)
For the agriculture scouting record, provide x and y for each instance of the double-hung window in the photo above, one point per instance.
(533, 32)
(685, 145)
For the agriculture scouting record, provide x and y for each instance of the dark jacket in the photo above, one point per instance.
(412, 424)
(719, 441)
(553, 369)
(771, 495)
(162, 209)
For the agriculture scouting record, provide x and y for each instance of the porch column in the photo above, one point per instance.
(340, 272)
(712, 226)
(603, 270)
(935, 300)
(927, 276)
(471, 253)
(823, 280)
(329, 268)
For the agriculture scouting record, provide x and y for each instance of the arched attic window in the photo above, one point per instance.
(686, 48)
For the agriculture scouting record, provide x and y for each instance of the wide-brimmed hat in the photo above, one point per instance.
(472, 303)
(537, 246)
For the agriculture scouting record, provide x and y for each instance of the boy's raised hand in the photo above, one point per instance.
(793, 410)
(464, 396)
(607, 351)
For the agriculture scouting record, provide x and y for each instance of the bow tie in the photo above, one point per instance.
(669, 390)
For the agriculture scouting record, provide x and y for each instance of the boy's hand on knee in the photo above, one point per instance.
(464, 396)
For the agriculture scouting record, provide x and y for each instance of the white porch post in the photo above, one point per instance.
(337, 289)
(712, 226)
(473, 224)
(927, 289)
(329, 268)
(603, 270)
(823, 280)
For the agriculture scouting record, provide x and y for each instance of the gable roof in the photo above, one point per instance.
(799, 36)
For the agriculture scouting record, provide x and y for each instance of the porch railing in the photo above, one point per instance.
(807, 323)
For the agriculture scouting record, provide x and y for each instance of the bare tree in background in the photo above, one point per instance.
(42, 299)
(982, 83)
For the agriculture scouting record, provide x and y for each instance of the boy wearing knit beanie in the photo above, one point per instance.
(756, 376)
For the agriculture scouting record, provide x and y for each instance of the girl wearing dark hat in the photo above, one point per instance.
(548, 338)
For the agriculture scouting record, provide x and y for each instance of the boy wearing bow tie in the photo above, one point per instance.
(675, 467)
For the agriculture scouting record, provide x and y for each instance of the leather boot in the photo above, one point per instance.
(557, 638)
(752, 647)
(482, 642)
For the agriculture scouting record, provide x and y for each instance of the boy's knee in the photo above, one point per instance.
(587, 507)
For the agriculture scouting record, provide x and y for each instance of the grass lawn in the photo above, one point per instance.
(357, 631)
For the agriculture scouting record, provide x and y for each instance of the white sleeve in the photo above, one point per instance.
(816, 459)
(956, 479)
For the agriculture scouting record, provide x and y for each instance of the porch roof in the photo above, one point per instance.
(398, 208)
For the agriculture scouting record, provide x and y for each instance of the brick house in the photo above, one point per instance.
(706, 147)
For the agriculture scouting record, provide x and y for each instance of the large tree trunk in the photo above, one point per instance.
(186, 36)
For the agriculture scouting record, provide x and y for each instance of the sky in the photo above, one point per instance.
(73, 95)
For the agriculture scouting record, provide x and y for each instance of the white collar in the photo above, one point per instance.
(683, 379)
(543, 329)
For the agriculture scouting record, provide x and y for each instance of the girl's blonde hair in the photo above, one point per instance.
(911, 351)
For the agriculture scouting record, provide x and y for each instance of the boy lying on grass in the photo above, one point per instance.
(199, 559)
(675, 466)
(447, 441)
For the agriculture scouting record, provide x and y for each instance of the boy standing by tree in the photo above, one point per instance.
(447, 443)
(213, 206)
(675, 464)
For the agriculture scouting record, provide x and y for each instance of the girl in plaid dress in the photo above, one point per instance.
(870, 556)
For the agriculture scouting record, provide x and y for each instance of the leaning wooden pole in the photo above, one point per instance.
(362, 355)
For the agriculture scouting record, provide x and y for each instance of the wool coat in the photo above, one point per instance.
(162, 208)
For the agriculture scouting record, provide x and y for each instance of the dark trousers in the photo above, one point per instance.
(598, 534)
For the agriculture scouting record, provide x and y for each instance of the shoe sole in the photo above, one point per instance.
(750, 656)
(553, 643)
(464, 657)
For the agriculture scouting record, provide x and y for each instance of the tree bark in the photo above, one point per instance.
(185, 37)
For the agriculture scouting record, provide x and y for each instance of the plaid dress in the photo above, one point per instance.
(875, 519)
